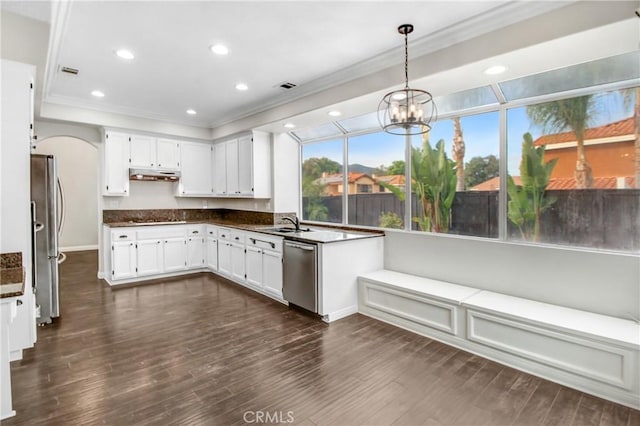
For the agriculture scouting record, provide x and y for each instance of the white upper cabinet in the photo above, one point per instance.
(196, 179)
(142, 150)
(220, 169)
(156, 153)
(168, 154)
(243, 166)
(116, 164)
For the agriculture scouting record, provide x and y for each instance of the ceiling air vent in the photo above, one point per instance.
(69, 70)
(286, 85)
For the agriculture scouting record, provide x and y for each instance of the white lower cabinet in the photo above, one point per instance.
(264, 263)
(254, 266)
(224, 257)
(195, 252)
(238, 270)
(212, 253)
(149, 257)
(123, 260)
(175, 254)
(249, 258)
(272, 273)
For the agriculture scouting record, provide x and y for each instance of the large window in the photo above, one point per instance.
(568, 163)
(376, 180)
(455, 176)
(572, 174)
(322, 181)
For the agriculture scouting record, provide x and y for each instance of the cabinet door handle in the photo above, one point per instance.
(159, 165)
(123, 236)
(18, 302)
(237, 238)
(195, 232)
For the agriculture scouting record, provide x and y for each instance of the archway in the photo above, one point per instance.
(77, 161)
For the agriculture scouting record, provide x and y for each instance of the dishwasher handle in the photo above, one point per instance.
(300, 246)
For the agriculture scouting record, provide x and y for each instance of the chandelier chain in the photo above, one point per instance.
(406, 61)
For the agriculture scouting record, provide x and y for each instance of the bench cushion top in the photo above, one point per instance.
(605, 327)
(421, 286)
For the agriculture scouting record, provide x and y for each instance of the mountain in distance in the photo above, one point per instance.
(361, 168)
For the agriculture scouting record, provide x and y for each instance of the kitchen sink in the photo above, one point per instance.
(284, 229)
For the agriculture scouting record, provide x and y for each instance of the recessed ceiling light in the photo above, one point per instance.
(334, 113)
(191, 111)
(242, 86)
(219, 49)
(496, 69)
(124, 54)
(289, 125)
(97, 94)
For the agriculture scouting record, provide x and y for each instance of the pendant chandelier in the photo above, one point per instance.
(406, 111)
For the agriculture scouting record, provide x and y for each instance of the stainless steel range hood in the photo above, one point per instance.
(152, 174)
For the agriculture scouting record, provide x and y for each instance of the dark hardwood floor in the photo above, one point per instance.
(202, 350)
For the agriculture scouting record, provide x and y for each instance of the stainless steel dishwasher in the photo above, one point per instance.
(300, 280)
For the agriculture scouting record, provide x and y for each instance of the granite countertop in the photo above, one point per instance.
(11, 282)
(317, 234)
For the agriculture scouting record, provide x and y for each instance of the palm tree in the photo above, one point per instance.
(568, 114)
(458, 153)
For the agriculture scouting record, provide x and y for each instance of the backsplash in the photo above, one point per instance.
(173, 215)
(10, 260)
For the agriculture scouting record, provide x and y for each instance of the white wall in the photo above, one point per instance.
(286, 174)
(77, 162)
(599, 282)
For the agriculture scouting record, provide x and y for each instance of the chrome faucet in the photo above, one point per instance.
(295, 222)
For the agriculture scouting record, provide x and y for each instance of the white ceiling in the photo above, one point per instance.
(335, 51)
(301, 42)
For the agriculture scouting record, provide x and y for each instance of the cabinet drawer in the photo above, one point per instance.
(154, 232)
(224, 234)
(123, 235)
(237, 237)
(196, 231)
(212, 231)
(264, 242)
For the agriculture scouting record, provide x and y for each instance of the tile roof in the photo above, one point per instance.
(618, 128)
(608, 182)
(336, 178)
(391, 179)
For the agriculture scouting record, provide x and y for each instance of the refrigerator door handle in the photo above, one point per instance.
(61, 218)
(61, 258)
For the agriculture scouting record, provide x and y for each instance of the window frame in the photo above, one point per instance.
(502, 109)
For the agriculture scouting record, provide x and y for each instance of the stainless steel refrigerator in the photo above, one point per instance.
(47, 211)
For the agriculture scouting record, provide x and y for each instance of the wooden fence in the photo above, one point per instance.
(598, 218)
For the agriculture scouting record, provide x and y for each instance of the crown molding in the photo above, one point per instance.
(494, 19)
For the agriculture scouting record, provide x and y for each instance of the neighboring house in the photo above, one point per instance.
(358, 183)
(393, 180)
(609, 150)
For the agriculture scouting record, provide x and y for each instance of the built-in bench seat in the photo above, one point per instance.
(595, 353)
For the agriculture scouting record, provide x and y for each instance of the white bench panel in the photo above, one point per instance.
(421, 310)
(615, 330)
(605, 363)
(434, 289)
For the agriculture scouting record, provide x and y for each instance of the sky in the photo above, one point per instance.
(480, 132)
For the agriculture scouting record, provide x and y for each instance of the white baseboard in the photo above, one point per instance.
(342, 313)
(79, 248)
